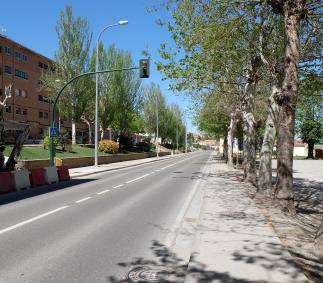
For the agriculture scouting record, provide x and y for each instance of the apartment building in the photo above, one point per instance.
(23, 68)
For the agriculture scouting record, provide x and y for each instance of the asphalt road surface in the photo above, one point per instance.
(96, 228)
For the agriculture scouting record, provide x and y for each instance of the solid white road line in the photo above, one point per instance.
(32, 219)
(115, 187)
(143, 176)
(83, 199)
(171, 237)
(103, 192)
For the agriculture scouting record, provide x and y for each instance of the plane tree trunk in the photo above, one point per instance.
(292, 11)
(230, 139)
(265, 166)
(249, 129)
(318, 242)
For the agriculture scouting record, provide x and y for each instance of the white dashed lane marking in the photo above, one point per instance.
(103, 192)
(83, 199)
(32, 219)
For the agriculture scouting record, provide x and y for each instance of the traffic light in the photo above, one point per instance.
(144, 68)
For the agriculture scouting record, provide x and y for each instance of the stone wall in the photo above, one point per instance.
(75, 162)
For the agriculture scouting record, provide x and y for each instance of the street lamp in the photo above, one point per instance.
(124, 22)
(177, 138)
(157, 145)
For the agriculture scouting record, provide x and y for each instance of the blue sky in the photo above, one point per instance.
(32, 24)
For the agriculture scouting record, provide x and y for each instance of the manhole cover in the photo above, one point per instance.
(147, 274)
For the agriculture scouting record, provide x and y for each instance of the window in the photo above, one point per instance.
(45, 115)
(7, 69)
(0, 49)
(21, 56)
(41, 131)
(20, 92)
(1, 91)
(42, 65)
(40, 98)
(7, 50)
(40, 82)
(18, 111)
(40, 114)
(8, 109)
(21, 74)
(0, 71)
(25, 112)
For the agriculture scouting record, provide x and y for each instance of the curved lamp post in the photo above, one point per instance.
(52, 114)
(96, 140)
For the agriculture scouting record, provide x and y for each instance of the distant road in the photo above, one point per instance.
(99, 226)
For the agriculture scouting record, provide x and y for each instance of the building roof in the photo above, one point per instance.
(298, 143)
(22, 46)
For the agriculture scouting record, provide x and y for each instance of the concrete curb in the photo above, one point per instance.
(128, 166)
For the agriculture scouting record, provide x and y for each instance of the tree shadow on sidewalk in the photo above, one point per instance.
(167, 267)
(298, 232)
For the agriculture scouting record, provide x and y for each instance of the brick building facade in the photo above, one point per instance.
(23, 68)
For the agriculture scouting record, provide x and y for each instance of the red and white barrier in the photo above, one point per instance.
(37, 177)
(24, 179)
(63, 173)
(21, 179)
(51, 175)
(6, 182)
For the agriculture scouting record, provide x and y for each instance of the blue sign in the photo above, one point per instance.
(53, 132)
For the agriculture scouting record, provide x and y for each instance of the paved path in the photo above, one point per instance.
(305, 169)
(234, 243)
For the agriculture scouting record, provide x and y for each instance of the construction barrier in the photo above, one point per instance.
(6, 182)
(24, 179)
(37, 177)
(21, 179)
(63, 173)
(51, 175)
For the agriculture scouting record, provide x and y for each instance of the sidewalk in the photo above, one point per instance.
(89, 170)
(233, 241)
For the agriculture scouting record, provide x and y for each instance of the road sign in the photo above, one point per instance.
(53, 132)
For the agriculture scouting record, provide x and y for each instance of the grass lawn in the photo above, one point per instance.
(29, 153)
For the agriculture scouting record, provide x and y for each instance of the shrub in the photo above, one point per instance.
(197, 145)
(168, 145)
(126, 142)
(64, 140)
(144, 146)
(46, 142)
(108, 146)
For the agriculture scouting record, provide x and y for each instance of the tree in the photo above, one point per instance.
(293, 12)
(119, 92)
(220, 43)
(152, 100)
(71, 59)
(309, 113)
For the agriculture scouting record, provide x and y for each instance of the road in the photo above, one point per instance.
(97, 228)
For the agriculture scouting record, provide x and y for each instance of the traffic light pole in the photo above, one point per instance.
(52, 114)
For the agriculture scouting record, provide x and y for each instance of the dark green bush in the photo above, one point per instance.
(126, 142)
